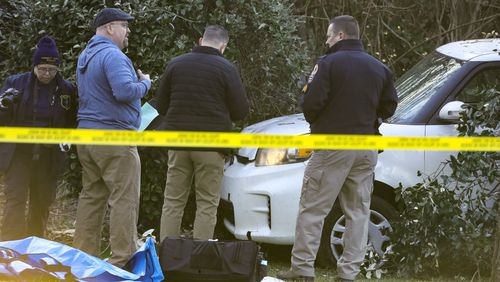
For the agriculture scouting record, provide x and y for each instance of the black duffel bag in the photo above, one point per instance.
(189, 260)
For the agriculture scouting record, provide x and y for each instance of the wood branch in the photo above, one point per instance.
(439, 35)
(370, 4)
(395, 33)
(476, 30)
(326, 13)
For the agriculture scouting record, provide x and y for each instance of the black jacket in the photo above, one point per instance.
(63, 113)
(348, 91)
(200, 91)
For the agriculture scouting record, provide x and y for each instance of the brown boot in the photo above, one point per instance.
(292, 276)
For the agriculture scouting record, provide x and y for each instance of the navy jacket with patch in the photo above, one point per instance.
(349, 91)
(62, 113)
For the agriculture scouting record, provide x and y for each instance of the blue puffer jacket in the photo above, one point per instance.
(109, 91)
(63, 113)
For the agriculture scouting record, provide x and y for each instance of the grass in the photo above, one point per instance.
(279, 260)
(61, 222)
(324, 275)
(61, 229)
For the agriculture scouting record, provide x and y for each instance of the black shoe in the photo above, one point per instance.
(292, 276)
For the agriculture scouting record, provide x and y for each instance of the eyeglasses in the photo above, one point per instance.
(124, 25)
(48, 70)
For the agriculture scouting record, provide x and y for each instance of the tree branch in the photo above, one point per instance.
(441, 34)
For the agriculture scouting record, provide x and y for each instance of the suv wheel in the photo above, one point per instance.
(331, 246)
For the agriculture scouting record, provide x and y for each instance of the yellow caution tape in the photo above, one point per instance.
(236, 140)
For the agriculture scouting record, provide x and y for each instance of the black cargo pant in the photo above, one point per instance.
(28, 179)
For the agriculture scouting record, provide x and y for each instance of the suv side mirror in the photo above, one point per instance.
(451, 111)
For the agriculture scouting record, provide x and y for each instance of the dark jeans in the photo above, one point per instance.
(28, 179)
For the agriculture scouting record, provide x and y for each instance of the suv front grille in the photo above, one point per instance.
(226, 210)
(243, 160)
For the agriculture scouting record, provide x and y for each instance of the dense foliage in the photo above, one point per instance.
(263, 41)
(448, 222)
(263, 44)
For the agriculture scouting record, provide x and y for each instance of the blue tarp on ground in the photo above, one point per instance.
(144, 264)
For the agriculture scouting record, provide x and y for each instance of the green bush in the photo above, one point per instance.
(447, 222)
(263, 44)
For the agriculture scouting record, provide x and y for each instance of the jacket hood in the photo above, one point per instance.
(96, 44)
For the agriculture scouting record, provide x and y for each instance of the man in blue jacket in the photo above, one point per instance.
(199, 91)
(346, 94)
(45, 99)
(110, 95)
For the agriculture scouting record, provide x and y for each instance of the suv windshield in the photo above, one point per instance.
(420, 83)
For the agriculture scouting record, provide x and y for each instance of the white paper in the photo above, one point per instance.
(148, 114)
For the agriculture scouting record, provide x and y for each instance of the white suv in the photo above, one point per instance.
(261, 187)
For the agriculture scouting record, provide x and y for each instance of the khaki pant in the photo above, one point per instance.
(332, 173)
(110, 176)
(207, 169)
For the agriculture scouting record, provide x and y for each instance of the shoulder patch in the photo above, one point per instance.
(313, 73)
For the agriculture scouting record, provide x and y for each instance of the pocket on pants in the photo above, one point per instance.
(311, 182)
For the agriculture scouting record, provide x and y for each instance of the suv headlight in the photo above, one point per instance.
(280, 156)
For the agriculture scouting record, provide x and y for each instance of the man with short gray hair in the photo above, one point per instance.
(215, 35)
(199, 91)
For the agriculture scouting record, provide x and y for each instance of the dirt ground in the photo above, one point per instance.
(60, 227)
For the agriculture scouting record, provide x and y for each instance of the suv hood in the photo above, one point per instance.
(296, 124)
(286, 125)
